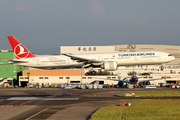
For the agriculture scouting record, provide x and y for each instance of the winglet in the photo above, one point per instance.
(19, 50)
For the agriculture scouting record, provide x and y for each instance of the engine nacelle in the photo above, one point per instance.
(109, 65)
(120, 83)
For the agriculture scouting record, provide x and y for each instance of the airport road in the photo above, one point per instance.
(56, 103)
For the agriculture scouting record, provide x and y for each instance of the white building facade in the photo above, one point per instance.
(86, 49)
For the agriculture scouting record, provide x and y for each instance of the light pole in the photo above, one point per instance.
(28, 74)
(82, 68)
(67, 80)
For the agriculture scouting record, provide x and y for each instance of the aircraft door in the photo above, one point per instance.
(135, 59)
(159, 56)
(68, 60)
(38, 62)
(162, 57)
(100, 58)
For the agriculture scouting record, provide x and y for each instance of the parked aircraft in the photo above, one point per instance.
(5, 80)
(133, 80)
(107, 61)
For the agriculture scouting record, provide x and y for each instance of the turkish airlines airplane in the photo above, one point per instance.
(107, 61)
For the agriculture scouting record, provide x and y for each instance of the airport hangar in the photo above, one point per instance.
(77, 76)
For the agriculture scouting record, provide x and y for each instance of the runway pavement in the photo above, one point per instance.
(56, 103)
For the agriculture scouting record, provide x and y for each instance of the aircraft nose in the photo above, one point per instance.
(173, 57)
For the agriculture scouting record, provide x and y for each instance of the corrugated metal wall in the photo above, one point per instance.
(9, 70)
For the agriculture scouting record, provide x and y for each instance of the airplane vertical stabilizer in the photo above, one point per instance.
(19, 50)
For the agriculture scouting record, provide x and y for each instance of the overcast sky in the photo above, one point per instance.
(44, 25)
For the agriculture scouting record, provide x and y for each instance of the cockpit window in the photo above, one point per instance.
(169, 55)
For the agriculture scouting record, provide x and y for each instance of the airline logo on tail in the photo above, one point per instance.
(19, 50)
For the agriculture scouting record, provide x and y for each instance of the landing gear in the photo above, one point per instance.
(91, 73)
(161, 67)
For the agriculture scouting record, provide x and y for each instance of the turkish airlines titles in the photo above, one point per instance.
(137, 54)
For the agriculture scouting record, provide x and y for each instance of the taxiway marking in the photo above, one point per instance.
(17, 105)
(40, 98)
(36, 114)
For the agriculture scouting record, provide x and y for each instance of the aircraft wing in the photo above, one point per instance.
(126, 81)
(156, 79)
(80, 59)
(149, 80)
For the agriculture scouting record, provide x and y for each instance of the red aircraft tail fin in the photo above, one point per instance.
(19, 50)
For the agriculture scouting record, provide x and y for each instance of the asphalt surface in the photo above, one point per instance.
(56, 103)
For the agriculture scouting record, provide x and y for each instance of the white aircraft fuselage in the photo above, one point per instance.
(107, 61)
(97, 59)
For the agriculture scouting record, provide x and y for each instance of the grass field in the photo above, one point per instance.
(156, 109)
(155, 93)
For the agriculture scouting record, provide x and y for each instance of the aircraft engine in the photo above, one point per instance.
(109, 65)
(120, 83)
(147, 83)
